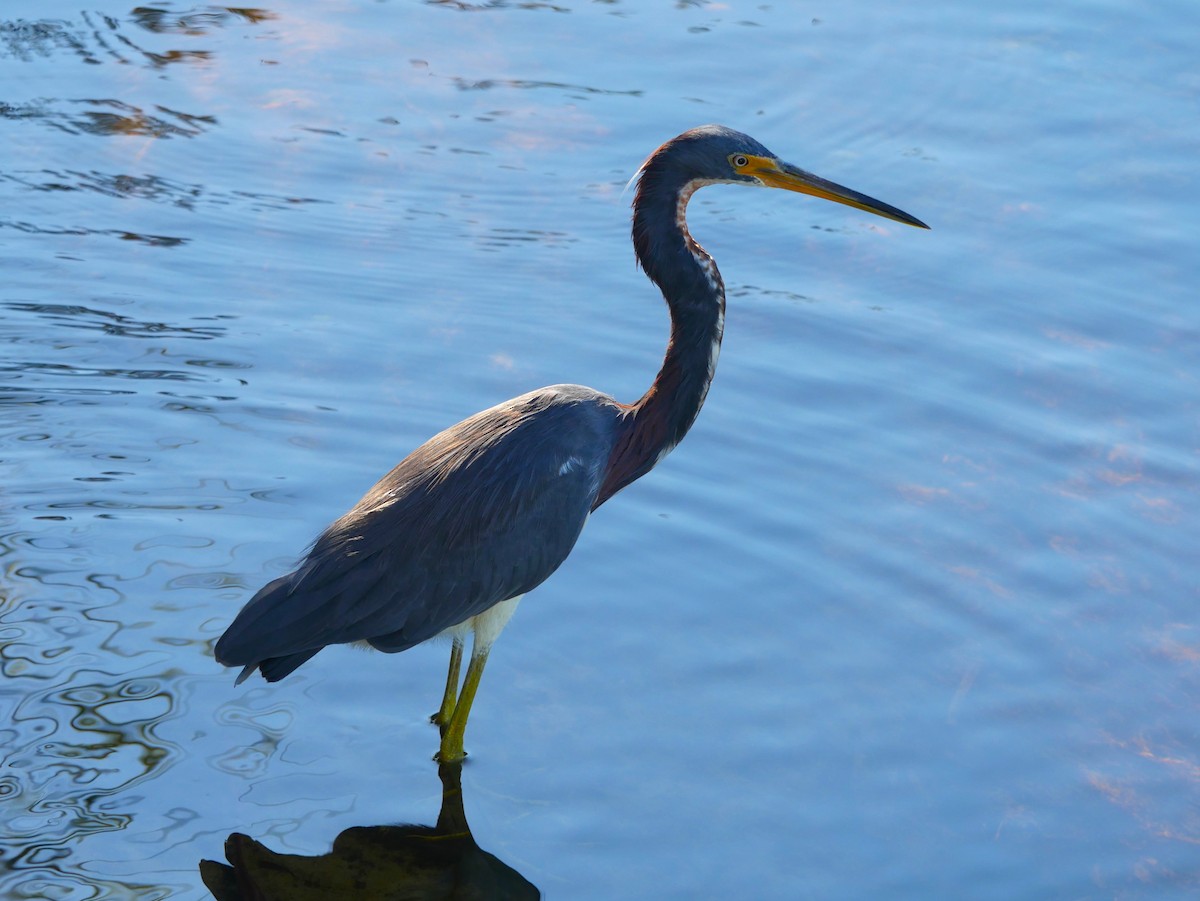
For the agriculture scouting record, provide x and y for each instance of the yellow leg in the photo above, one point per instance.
(446, 711)
(452, 735)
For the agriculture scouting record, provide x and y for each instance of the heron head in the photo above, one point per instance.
(714, 153)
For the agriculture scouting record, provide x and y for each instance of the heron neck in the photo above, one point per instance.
(651, 428)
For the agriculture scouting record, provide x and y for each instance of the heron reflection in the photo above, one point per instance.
(374, 863)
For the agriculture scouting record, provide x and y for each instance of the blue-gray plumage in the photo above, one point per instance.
(481, 513)
(485, 511)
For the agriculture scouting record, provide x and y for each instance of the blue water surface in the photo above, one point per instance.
(911, 613)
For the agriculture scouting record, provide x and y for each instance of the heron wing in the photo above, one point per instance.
(482, 512)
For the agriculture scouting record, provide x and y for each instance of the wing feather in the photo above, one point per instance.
(482, 512)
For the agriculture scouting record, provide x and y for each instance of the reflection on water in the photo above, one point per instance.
(576, 90)
(108, 117)
(925, 572)
(145, 187)
(28, 379)
(111, 323)
(375, 863)
(97, 39)
(196, 22)
(73, 753)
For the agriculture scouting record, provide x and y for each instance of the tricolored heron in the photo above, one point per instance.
(448, 541)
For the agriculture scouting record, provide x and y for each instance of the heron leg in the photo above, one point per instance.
(449, 699)
(487, 627)
(452, 733)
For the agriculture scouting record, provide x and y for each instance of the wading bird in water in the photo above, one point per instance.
(448, 541)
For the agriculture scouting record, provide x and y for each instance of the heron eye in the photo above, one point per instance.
(739, 161)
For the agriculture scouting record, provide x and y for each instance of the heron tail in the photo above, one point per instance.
(275, 668)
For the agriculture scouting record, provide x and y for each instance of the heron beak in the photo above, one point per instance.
(778, 174)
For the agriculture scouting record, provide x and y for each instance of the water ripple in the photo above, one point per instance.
(96, 40)
(198, 21)
(110, 323)
(486, 84)
(104, 742)
(151, 188)
(109, 117)
(152, 240)
(490, 5)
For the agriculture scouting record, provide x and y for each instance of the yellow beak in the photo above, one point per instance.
(778, 174)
